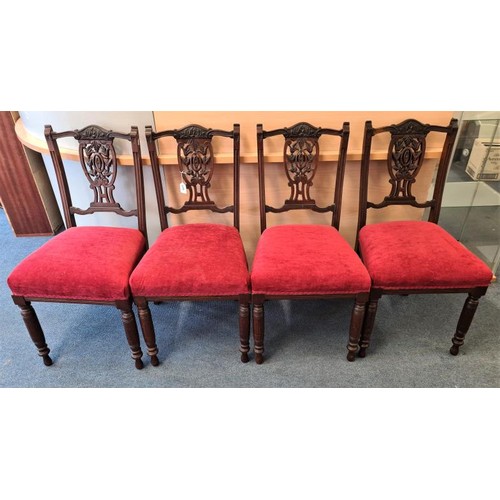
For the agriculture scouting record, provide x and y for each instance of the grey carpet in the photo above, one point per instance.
(198, 342)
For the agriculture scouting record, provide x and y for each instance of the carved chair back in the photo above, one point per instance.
(300, 162)
(195, 158)
(405, 156)
(99, 163)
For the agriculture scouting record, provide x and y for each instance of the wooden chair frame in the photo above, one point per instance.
(401, 195)
(103, 202)
(199, 199)
(306, 132)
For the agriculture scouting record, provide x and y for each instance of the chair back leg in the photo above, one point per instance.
(369, 321)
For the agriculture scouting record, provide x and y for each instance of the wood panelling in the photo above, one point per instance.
(29, 211)
(277, 119)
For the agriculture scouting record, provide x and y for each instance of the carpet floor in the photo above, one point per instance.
(305, 342)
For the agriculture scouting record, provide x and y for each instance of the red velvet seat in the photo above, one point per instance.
(81, 264)
(194, 261)
(287, 254)
(173, 267)
(89, 264)
(414, 256)
(305, 261)
(419, 254)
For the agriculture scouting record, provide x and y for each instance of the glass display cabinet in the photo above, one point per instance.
(471, 201)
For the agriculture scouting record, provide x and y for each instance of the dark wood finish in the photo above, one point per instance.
(404, 158)
(98, 161)
(405, 155)
(358, 313)
(195, 159)
(19, 193)
(464, 322)
(244, 331)
(130, 326)
(34, 329)
(300, 162)
(258, 328)
(148, 329)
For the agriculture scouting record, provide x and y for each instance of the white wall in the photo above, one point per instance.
(119, 121)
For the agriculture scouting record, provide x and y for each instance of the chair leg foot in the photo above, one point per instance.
(368, 322)
(244, 326)
(34, 329)
(357, 316)
(131, 332)
(258, 332)
(464, 322)
(148, 331)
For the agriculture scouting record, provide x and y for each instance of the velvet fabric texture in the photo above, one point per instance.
(417, 254)
(193, 260)
(81, 263)
(306, 259)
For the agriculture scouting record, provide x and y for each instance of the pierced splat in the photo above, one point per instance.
(406, 154)
(98, 160)
(195, 157)
(300, 161)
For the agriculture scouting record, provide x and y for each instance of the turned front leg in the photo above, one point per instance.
(464, 322)
(244, 317)
(258, 332)
(357, 316)
(130, 326)
(148, 331)
(34, 329)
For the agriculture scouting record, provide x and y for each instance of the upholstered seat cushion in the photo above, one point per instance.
(193, 260)
(419, 254)
(306, 259)
(81, 263)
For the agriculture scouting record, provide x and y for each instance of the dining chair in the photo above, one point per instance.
(86, 264)
(198, 260)
(414, 256)
(305, 261)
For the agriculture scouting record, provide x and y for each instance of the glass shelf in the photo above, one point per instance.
(471, 201)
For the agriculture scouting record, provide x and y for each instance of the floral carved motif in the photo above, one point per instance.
(406, 154)
(98, 160)
(195, 156)
(301, 161)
